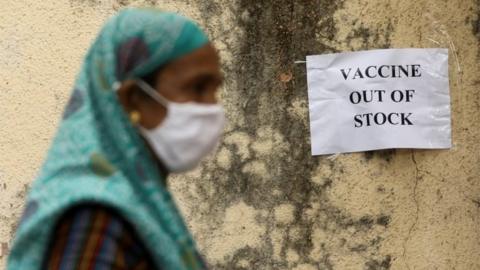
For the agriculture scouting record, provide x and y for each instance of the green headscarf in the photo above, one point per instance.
(98, 156)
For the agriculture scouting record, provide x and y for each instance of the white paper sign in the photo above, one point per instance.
(378, 99)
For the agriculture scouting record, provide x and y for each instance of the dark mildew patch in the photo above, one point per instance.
(387, 154)
(476, 22)
(370, 38)
(273, 35)
(379, 265)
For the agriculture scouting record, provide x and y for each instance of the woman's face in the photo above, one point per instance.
(194, 77)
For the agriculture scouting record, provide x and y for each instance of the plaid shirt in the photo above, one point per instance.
(94, 237)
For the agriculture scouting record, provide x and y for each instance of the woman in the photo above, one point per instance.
(143, 105)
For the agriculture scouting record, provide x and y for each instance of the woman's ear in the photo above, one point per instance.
(127, 97)
(134, 101)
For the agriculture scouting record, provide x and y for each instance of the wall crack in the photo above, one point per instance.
(417, 209)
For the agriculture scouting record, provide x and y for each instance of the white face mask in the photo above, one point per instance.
(188, 133)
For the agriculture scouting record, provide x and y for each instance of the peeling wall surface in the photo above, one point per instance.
(262, 201)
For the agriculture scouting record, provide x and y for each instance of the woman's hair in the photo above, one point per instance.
(150, 79)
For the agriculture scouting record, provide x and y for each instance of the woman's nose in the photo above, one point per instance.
(210, 96)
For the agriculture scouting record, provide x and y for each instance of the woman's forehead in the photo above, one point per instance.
(204, 55)
(204, 60)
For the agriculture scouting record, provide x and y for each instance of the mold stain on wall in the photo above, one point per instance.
(265, 163)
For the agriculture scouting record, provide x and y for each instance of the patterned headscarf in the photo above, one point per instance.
(97, 155)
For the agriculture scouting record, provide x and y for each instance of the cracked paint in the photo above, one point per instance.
(417, 210)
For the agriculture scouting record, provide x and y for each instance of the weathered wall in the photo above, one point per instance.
(262, 202)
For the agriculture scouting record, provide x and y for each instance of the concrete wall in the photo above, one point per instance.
(263, 202)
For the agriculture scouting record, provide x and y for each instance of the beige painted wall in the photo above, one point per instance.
(262, 202)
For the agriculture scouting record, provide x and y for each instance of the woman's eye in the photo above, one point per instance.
(200, 87)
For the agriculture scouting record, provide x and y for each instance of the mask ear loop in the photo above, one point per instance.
(152, 92)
